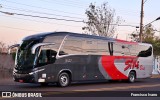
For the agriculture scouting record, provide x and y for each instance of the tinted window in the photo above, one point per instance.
(133, 50)
(25, 59)
(90, 46)
(120, 49)
(78, 45)
(54, 39)
(144, 51)
(103, 48)
(47, 55)
(71, 46)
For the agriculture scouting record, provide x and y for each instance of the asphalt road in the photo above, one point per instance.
(93, 90)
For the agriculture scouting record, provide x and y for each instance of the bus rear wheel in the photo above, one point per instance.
(131, 77)
(63, 80)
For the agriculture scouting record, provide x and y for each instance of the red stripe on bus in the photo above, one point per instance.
(110, 68)
(126, 42)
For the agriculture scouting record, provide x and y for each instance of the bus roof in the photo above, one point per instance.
(43, 35)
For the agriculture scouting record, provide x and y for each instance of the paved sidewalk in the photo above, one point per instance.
(155, 76)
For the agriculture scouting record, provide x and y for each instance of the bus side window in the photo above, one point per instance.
(145, 51)
(90, 46)
(133, 50)
(42, 57)
(71, 46)
(103, 48)
(51, 56)
(120, 49)
(46, 56)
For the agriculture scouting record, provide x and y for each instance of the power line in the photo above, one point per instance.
(73, 5)
(130, 26)
(31, 11)
(20, 29)
(40, 16)
(40, 21)
(57, 10)
(40, 7)
(70, 4)
(9, 13)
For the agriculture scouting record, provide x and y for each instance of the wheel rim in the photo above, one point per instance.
(64, 80)
(132, 78)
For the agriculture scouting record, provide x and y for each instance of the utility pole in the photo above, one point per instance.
(141, 22)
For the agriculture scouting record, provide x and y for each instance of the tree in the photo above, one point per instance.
(149, 34)
(149, 37)
(100, 20)
(156, 47)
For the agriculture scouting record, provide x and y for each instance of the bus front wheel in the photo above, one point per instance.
(131, 77)
(63, 79)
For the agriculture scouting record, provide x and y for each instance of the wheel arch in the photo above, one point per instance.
(134, 72)
(68, 71)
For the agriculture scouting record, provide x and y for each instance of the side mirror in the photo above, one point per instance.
(62, 53)
(11, 47)
(38, 45)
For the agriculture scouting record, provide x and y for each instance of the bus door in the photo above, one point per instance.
(45, 58)
(92, 68)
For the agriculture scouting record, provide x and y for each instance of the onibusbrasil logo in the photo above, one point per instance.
(19, 94)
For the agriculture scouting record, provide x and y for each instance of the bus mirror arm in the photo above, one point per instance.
(39, 45)
(12, 46)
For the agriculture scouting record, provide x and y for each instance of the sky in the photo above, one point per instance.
(14, 28)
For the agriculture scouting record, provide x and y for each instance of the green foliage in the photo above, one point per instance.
(149, 37)
(156, 47)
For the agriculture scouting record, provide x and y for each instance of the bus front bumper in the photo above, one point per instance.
(23, 78)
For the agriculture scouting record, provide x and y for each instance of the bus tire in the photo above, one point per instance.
(131, 77)
(63, 79)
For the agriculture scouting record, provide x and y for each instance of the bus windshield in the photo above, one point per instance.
(25, 59)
